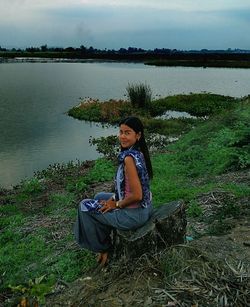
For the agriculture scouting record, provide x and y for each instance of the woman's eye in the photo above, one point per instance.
(124, 133)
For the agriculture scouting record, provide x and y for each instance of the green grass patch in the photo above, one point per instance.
(61, 200)
(170, 127)
(239, 190)
(39, 241)
(103, 170)
(217, 145)
(25, 257)
(204, 104)
(21, 258)
(214, 147)
(105, 112)
(194, 209)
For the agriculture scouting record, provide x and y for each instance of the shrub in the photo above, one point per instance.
(31, 186)
(109, 146)
(140, 95)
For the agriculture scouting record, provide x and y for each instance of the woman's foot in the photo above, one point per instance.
(102, 259)
(99, 257)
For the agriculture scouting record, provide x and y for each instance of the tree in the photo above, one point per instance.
(44, 48)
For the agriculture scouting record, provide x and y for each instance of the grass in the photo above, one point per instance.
(140, 95)
(36, 228)
(204, 104)
(37, 217)
(105, 112)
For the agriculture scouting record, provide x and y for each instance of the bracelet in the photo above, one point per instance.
(117, 205)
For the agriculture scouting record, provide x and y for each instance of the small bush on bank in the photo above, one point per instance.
(108, 146)
(140, 95)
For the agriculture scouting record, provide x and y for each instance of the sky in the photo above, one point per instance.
(114, 24)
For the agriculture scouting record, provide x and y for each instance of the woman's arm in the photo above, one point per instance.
(134, 185)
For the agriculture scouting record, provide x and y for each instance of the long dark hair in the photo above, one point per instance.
(136, 124)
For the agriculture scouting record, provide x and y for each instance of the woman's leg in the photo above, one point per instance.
(125, 219)
(91, 233)
(92, 230)
(103, 257)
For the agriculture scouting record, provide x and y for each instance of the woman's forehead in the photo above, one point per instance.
(125, 128)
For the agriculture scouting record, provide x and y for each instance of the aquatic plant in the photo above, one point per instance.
(140, 95)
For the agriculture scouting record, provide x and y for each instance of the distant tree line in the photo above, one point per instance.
(158, 56)
(130, 50)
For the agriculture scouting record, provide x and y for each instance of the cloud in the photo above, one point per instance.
(120, 23)
(180, 5)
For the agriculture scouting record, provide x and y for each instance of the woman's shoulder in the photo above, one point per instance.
(135, 154)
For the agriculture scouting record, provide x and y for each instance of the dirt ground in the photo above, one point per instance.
(146, 286)
(215, 270)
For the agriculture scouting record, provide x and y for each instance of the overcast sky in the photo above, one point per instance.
(111, 24)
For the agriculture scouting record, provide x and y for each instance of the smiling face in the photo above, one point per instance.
(127, 136)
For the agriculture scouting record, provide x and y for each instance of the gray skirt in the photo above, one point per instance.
(93, 230)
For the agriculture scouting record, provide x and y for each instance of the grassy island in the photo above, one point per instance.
(207, 166)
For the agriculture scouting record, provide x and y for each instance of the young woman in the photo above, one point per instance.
(130, 207)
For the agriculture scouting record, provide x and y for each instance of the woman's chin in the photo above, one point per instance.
(124, 146)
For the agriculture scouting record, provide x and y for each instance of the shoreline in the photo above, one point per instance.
(216, 60)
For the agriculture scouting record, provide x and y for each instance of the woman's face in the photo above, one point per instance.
(127, 136)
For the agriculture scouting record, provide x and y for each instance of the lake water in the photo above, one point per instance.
(36, 132)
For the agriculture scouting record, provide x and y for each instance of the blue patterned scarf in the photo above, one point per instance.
(142, 173)
(94, 205)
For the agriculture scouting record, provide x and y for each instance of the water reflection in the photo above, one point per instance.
(69, 142)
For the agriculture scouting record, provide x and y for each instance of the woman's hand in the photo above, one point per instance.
(107, 205)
